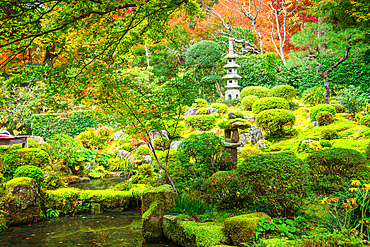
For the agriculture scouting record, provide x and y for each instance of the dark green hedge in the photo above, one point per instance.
(47, 125)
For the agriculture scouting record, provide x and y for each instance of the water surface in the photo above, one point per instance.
(107, 229)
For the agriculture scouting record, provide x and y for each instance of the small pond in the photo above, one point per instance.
(98, 184)
(107, 229)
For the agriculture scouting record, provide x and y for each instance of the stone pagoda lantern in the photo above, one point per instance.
(232, 87)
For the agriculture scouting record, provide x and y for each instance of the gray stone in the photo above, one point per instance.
(123, 155)
(175, 145)
(316, 123)
(191, 112)
(232, 144)
(119, 135)
(256, 135)
(155, 203)
(212, 110)
(22, 202)
(250, 118)
(147, 159)
(245, 138)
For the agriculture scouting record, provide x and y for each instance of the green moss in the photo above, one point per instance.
(26, 156)
(226, 123)
(243, 227)
(205, 234)
(17, 182)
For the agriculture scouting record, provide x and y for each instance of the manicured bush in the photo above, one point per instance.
(338, 108)
(320, 108)
(248, 151)
(277, 181)
(143, 150)
(283, 91)
(220, 189)
(275, 120)
(332, 169)
(248, 101)
(202, 111)
(269, 103)
(30, 172)
(324, 118)
(204, 54)
(26, 156)
(314, 96)
(365, 120)
(260, 92)
(200, 122)
(198, 103)
(329, 134)
(222, 107)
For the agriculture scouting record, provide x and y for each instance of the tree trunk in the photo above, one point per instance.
(327, 89)
(259, 35)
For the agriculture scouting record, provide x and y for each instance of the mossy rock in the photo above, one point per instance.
(26, 156)
(192, 234)
(21, 204)
(155, 204)
(243, 227)
(97, 208)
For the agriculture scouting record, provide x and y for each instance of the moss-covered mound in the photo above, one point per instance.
(192, 234)
(242, 228)
(26, 156)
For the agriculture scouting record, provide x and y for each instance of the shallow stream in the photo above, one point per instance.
(107, 229)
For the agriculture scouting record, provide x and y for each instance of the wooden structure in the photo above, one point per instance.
(10, 140)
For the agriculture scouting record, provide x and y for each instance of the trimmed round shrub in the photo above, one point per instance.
(283, 91)
(222, 107)
(218, 190)
(26, 156)
(248, 101)
(143, 150)
(320, 108)
(260, 92)
(332, 169)
(275, 120)
(338, 108)
(204, 54)
(199, 103)
(314, 96)
(248, 151)
(203, 111)
(269, 103)
(200, 122)
(30, 172)
(277, 181)
(324, 118)
(365, 120)
(329, 134)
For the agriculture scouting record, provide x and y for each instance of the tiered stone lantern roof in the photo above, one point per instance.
(231, 77)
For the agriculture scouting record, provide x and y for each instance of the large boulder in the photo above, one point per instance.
(21, 204)
(155, 204)
(175, 144)
(243, 227)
